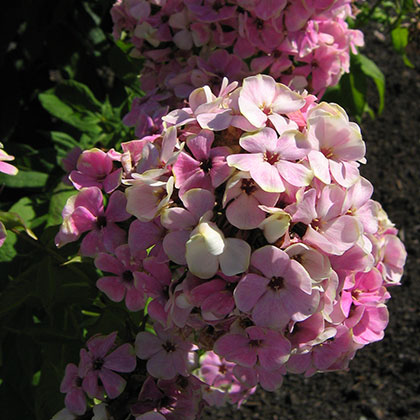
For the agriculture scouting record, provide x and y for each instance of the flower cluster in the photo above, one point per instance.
(190, 43)
(250, 232)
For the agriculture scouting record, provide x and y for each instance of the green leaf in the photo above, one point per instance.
(370, 69)
(399, 37)
(7, 250)
(24, 179)
(77, 95)
(14, 221)
(63, 141)
(73, 107)
(24, 208)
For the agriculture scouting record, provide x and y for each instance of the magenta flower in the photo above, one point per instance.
(155, 281)
(284, 293)
(208, 169)
(84, 212)
(98, 366)
(95, 169)
(125, 263)
(215, 297)
(267, 347)
(3, 234)
(71, 384)
(166, 353)
(6, 168)
(333, 353)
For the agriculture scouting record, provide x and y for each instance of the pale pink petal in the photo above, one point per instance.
(123, 359)
(99, 346)
(249, 289)
(108, 263)
(235, 257)
(174, 246)
(112, 181)
(198, 201)
(269, 311)
(259, 142)
(320, 166)
(160, 366)
(112, 287)
(344, 173)
(200, 144)
(244, 212)
(115, 211)
(147, 345)
(271, 261)
(294, 173)
(177, 218)
(266, 176)
(75, 401)
(245, 161)
(235, 348)
(113, 384)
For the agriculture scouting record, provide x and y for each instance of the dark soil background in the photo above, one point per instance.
(383, 381)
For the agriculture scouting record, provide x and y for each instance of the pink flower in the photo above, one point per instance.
(268, 347)
(95, 169)
(71, 384)
(126, 261)
(262, 99)
(98, 364)
(181, 221)
(284, 293)
(321, 223)
(208, 169)
(337, 143)
(3, 233)
(272, 159)
(155, 280)
(243, 198)
(166, 353)
(6, 167)
(215, 297)
(84, 212)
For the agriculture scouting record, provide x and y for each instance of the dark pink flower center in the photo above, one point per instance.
(169, 347)
(299, 229)
(222, 369)
(101, 222)
(248, 185)
(259, 23)
(78, 381)
(276, 283)
(127, 276)
(255, 343)
(98, 363)
(206, 165)
(271, 157)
